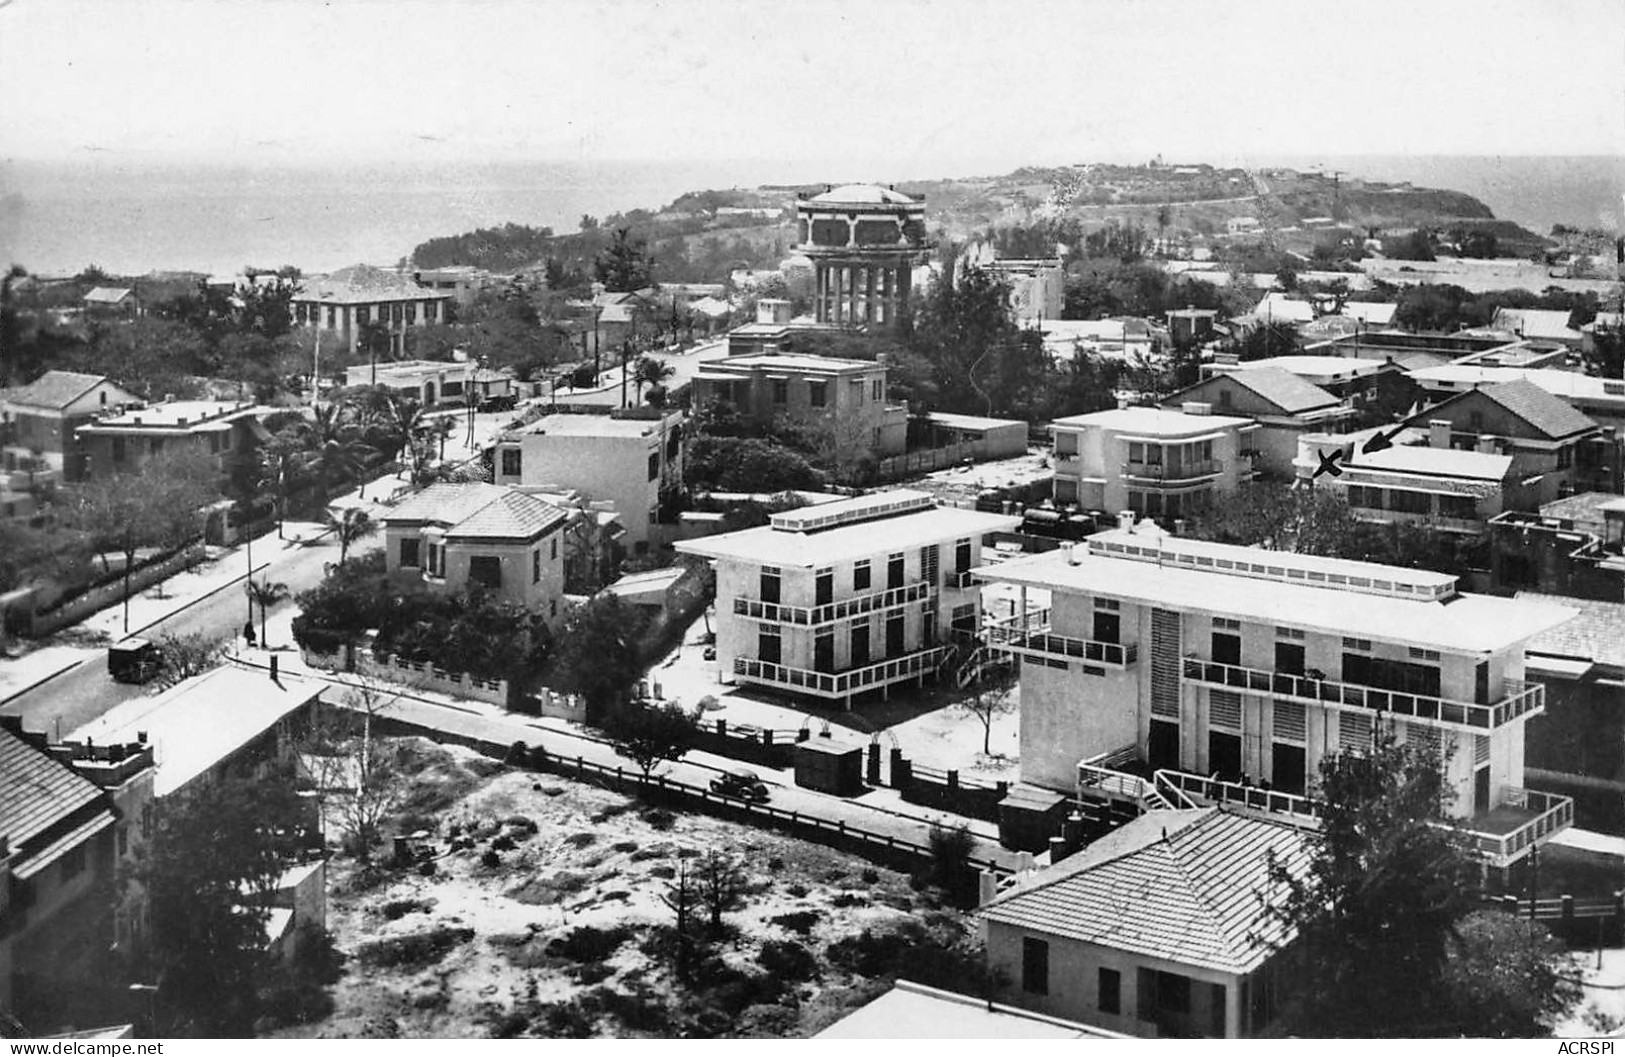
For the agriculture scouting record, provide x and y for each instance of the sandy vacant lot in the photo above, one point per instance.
(543, 917)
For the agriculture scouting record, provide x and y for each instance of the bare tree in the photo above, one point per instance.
(356, 775)
(682, 896)
(990, 697)
(722, 883)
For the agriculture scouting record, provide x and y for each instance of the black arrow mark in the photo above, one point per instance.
(1380, 441)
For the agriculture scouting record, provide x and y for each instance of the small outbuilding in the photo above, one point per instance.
(829, 766)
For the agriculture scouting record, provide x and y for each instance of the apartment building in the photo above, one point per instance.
(226, 431)
(456, 536)
(1154, 462)
(1573, 546)
(842, 599)
(1209, 664)
(38, 421)
(847, 396)
(1282, 404)
(634, 462)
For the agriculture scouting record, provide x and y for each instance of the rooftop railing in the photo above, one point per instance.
(1519, 698)
(841, 684)
(779, 613)
(1110, 653)
(1549, 814)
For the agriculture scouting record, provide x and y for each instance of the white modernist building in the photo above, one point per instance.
(1223, 671)
(837, 600)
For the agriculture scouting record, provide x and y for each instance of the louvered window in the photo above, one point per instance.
(1481, 749)
(1289, 721)
(1422, 737)
(1353, 731)
(1224, 710)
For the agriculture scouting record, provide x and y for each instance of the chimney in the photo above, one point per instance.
(1125, 520)
(1122, 402)
(1439, 433)
(1179, 526)
(1076, 552)
(1196, 407)
(1488, 445)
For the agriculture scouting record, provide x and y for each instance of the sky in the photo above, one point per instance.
(917, 88)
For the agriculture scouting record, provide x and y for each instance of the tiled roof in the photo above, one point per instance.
(476, 509)
(1282, 388)
(1551, 415)
(56, 389)
(512, 515)
(36, 791)
(1597, 634)
(1180, 885)
(1535, 323)
(363, 284)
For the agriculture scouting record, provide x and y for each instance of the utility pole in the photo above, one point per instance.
(316, 371)
(626, 354)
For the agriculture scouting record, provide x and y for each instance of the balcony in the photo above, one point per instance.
(1183, 471)
(1520, 698)
(961, 581)
(840, 684)
(1110, 654)
(1523, 819)
(829, 613)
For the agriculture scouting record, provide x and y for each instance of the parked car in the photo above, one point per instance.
(498, 403)
(134, 660)
(741, 784)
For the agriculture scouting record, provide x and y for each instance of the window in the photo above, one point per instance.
(654, 465)
(553, 607)
(767, 644)
(431, 311)
(119, 453)
(1110, 991)
(860, 576)
(485, 569)
(409, 554)
(157, 446)
(856, 389)
(513, 462)
(962, 556)
(1035, 966)
(1224, 398)
(816, 393)
(1565, 457)
(824, 587)
(553, 549)
(770, 584)
(1458, 506)
(894, 571)
(332, 317)
(361, 315)
(536, 566)
(1226, 648)
(1405, 501)
(781, 391)
(398, 313)
(877, 390)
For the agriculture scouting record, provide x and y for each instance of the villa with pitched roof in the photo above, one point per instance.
(454, 536)
(358, 296)
(1284, 405)
(39, 420)
(1162, 928)
(1545, 435)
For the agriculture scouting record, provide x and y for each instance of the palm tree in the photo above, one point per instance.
(337, 452)
(282, 459)
(265, 594)
(650, 370)
(348, 526)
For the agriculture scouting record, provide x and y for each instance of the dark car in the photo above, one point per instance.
(498, 403)
(742, 784)
(134, 660)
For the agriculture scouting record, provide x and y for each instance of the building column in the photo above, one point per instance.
(869, 313)
(852, 295)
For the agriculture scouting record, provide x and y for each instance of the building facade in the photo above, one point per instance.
(1282, 404)
(846, 397)
(350, 300)
(634, 463)
(864, 241)
(1157, 463)
(227, 432)
(1573, 546)
(39, 421)
(847, 598)
(1239, 664)
(454, 537)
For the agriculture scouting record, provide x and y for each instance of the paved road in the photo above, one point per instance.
(85, 691)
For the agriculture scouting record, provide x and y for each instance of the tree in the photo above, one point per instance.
(206, 879)
(624, 265)
(650, 734)
(1605, 357)
(283, 460)
(990, 697)
(682, 896)
(598, 654)
(265, 594)
(723, 884)
(188, 655)
(1385, 944)
(359, 775)
(1509, 978)
(348, 526)
(747, 464)
(650, 370)
(159, 507)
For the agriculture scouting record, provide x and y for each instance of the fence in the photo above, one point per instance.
(923, 461)
(882, 849)
(947, 791)
(24, 619)
(427, 676)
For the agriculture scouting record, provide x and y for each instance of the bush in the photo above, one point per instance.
(788, 959)
(502, 842)
(848, 899)
(660, 819)
(592, 973)
(799, 922)
(589, 944)
(936, 958)
(640, 1009)
(415, 950)
(566, 1020)
(870, 876)
(490, 859)
(796, 890)
(624, 846)
(580, 840)
(396, 909)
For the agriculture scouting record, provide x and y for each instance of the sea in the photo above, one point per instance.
(56, 218)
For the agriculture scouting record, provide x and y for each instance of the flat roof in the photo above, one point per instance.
(1330, 367)
(948, 418)
(770, 546)
(593, 426)
(1154, 421)
(765, 361)
(913, 1011)
(1463, 623)
(177, 414)
(1570, 385)
(1437, 462)
(200, 722)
